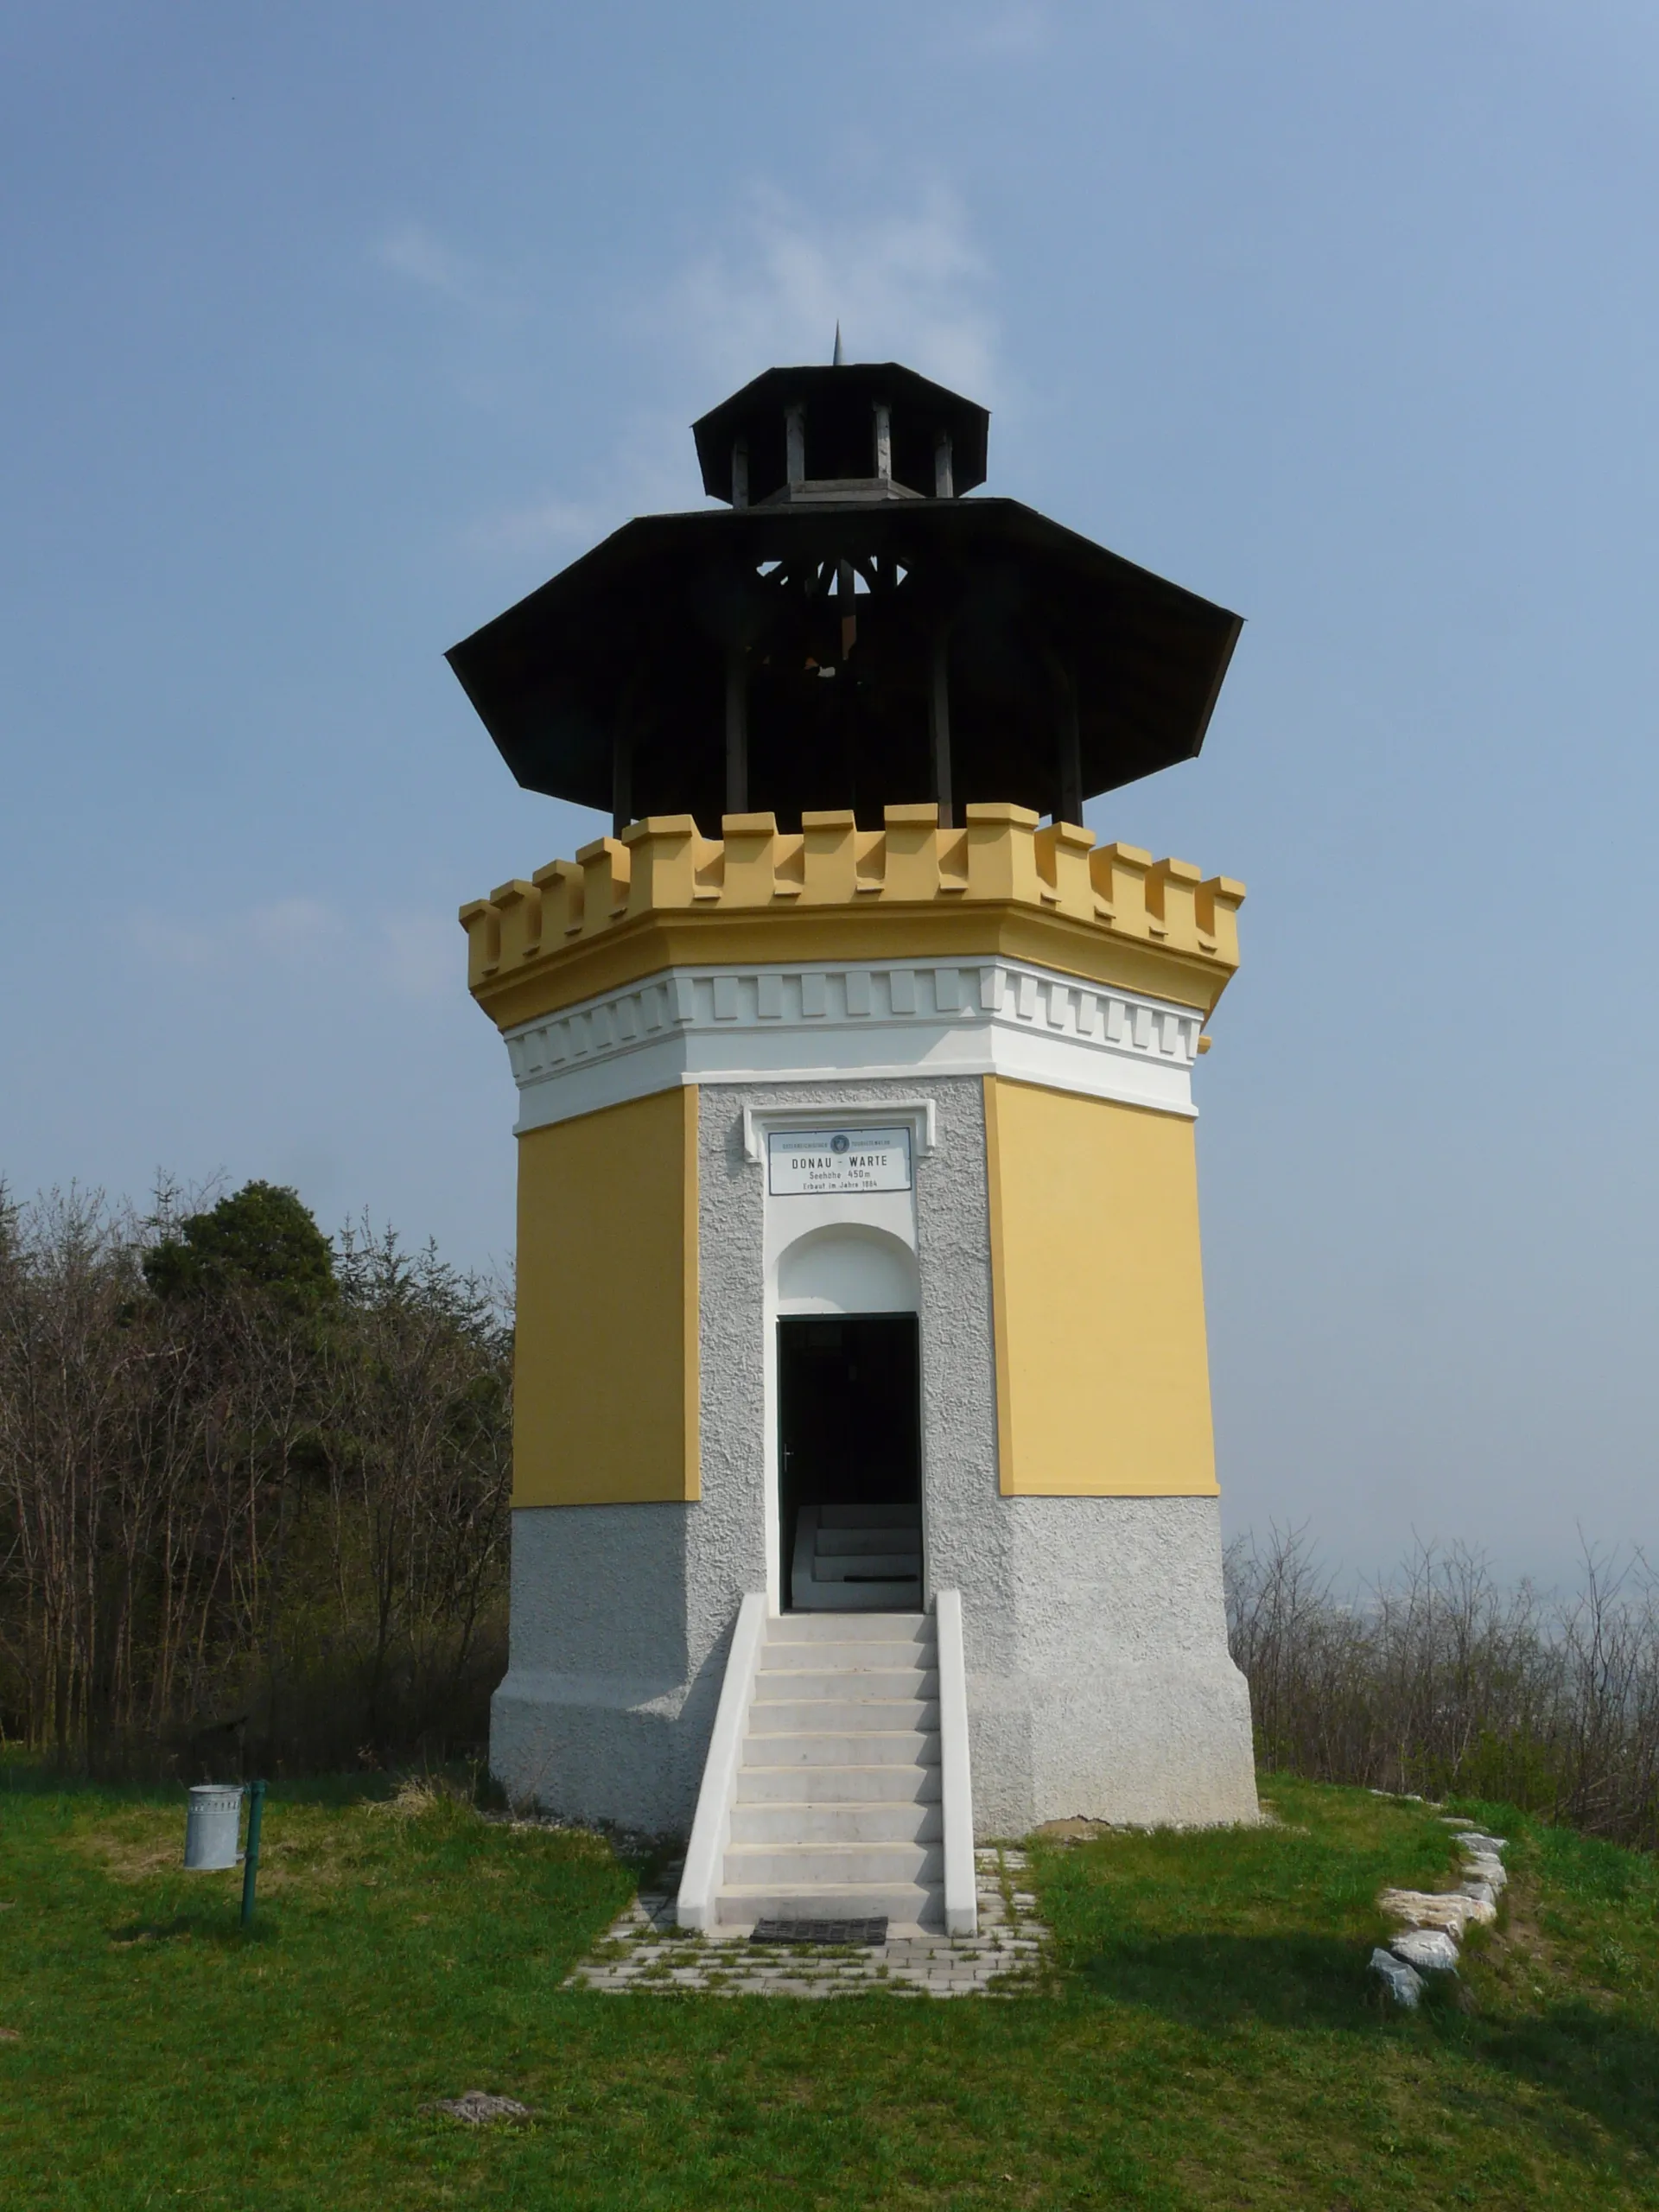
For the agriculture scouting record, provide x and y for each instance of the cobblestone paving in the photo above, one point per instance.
(644, 1951)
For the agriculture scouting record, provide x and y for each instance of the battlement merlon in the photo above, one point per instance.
(662, 895)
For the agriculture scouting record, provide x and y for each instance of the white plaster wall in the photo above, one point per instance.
(850, 1269)
(746, 1238)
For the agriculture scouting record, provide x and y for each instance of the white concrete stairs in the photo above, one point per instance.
(857, 1559)
(836, 1810)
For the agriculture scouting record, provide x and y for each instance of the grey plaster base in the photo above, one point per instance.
(1099, 1681)
(1161, 1743)
(621, 1616)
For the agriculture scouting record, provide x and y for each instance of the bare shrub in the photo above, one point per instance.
(1438, 1679)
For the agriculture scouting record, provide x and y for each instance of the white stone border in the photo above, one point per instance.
(870, 1020)
(711, 1831)
(792, 1221)
(955, 1778)
(1432, 1922)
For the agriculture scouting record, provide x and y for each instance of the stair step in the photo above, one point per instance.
(842, 1598)
(907, 1784)
(891, 1624)
(869, 1516)
(842, 1747)
(835, 1543)
(905, 1904)
(866, 1566)
(790, 1684)
(806, 1825)
(827, 1651)
(847, 1715)
(785, 1865)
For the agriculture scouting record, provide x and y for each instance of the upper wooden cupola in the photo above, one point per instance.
(867, 431)
(851, 631)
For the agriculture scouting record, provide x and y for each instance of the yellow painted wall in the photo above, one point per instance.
(606, 1353)
(1103, 1376)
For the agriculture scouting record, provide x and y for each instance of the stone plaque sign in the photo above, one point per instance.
(803, 1163)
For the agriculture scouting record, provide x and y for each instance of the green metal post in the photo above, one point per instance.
(251, 1862)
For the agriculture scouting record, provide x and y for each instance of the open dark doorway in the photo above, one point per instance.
(849, 1462)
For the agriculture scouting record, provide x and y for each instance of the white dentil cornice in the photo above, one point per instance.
(854, 1021)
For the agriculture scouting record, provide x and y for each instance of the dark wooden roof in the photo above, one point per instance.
(634, 639)
(838, 403)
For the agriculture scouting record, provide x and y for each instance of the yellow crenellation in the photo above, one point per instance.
(663, 868)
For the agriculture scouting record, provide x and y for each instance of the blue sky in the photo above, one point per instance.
(329, 331)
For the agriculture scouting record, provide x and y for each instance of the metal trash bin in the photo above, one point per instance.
(212, 1825)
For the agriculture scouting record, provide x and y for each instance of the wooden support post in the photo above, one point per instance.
(944, 481)
(1070, 808)
(795, 442)
(737, 731)
(883, 442)
(622, 776)
(739, 472)
(938, 725)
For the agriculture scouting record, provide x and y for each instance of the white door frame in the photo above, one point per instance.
(884, 1222)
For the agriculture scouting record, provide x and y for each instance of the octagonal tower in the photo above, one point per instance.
(861, 1341)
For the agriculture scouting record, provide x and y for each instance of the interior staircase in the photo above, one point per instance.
(837, 1813)
(857, 1559)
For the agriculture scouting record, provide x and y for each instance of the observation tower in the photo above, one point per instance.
(864, 1487)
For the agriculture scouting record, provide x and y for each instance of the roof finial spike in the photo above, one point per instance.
(839, 359)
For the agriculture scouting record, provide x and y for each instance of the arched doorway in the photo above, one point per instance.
(849, 1466)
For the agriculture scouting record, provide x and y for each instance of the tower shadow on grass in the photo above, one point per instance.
(1600, 2066)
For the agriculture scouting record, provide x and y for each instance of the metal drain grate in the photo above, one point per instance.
(820, 1931)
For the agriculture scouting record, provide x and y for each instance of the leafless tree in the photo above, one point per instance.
(1438, 1678)
(234, 1517)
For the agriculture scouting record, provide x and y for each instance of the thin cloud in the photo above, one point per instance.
(1022, 27)
(165, 943)
(909, 285)
(414, 956)
(288, 932)
(421, 956)
(413, 251)
(292, 928)
(653, 469)
(420, 256)
(532, 529)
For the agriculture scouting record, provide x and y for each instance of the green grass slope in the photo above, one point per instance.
(1210, 2038)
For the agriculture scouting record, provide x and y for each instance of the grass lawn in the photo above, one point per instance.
(1211, 2038)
